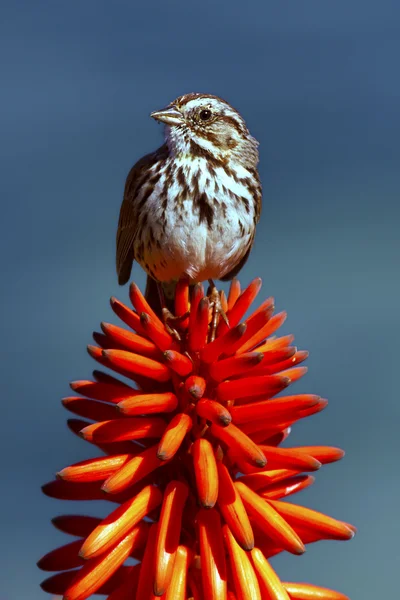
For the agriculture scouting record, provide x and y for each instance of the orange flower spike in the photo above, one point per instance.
(114, 527)
(282, 407)
(146, 404)
(156, 331)
(173, 436)
(97, 571)
(181, 364)
(168, 534)
(132, 471)
(195, 584)
(312, 520)
(137, 365)
(128, 316)
(146, 576)
(270, 521)
(212, 554)
(182, 306)
(130, 341)
(232, 435)
(63, 558)
(232, 509)
(141, 305)
(214, 412)
(177, 587)
(224, 301)
(222, 343)
(80, 525)
(287, 487)
(234, 366)
(289, 458)
(305, 591)
(205, 470)
(241, 305)
(234, 293)
(195, 386)
(90, 409)
(94, 469)
(198, 335)
(271, 585)
(269, 385)
(269, 328)
(244, 577)
(132, 428)
(105, 391)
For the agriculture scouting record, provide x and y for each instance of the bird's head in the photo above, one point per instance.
(205, 125)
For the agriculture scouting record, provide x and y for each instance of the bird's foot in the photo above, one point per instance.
(217, 310)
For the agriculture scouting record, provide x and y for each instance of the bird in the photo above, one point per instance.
(190, 208)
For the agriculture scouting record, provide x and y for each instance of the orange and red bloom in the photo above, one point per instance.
(192, 459)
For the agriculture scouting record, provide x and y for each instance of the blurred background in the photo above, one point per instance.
(318, 85)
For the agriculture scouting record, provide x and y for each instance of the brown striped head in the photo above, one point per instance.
(203, 124)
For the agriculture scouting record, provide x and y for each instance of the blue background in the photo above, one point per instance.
(319, 86)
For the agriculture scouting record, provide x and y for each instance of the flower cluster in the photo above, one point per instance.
(192, 458)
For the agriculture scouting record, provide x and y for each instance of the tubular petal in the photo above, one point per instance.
(232, 509)
(313, 520)
(195, 386)
(244, 578)
(63, 558)
(269, 328)
(287, 487)
(212, 554)
(214, 412)
(325, 454)
(270, 521)
(97, 571)
(270, 583)
(80, 525)
(241, 305)
(222, 344)
(205, 470)
(305, 591)
(146, 404)
(235, 365)
(106, 391)
(140, 303)
(128, 586)
(240, 388)
(168, 534)
(156, 331)
(178, 362)
(146, 576)
(94, 469)
(127, 315)
(90, 409)
(173, 436)
(289, 458)
(234, 293)
(130, 428)
(131, 341)
(281, 408)
(122, 520)
(136, 364)
(198, 335)
(233, 436)
(177, 587)
(132, 471)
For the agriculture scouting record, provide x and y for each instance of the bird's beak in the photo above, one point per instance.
(170, 115)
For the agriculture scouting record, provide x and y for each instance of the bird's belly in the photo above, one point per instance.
(189, 245)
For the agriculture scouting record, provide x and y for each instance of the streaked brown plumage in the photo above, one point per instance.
(191, 207)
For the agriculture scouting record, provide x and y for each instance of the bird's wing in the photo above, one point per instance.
(128, 219)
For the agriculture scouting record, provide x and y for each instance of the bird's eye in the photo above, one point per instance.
(205, 115)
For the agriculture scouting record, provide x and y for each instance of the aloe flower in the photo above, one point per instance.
(191, 459)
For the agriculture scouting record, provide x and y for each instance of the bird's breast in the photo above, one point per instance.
(201, 219)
